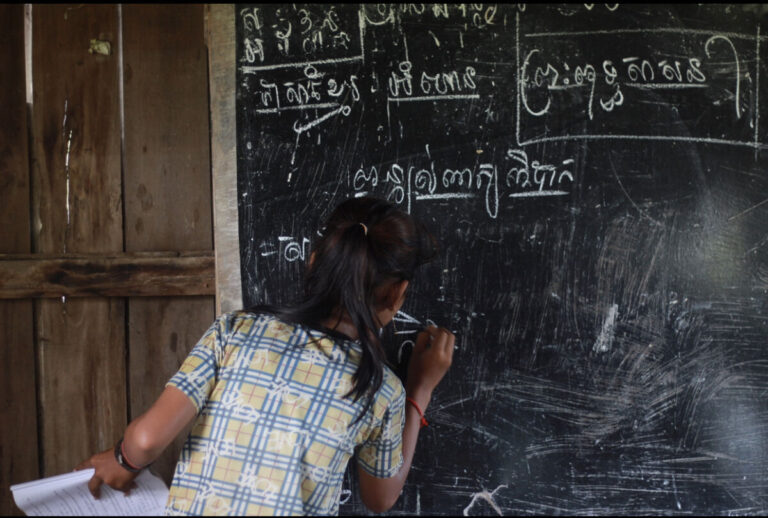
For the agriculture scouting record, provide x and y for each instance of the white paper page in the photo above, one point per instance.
(68, 495)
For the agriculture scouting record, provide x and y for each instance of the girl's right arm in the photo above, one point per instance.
(144, 440)
(430, 360)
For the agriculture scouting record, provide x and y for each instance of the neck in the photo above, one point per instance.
(339, 321)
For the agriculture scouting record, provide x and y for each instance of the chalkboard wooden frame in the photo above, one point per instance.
(221, 63)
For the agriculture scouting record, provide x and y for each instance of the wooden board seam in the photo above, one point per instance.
(143, 274)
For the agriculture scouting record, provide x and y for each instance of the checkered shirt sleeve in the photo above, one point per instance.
(382, 454)
(197, 375)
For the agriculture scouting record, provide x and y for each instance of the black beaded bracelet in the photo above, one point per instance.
(121, 459)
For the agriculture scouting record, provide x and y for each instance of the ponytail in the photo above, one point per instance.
(367, 242)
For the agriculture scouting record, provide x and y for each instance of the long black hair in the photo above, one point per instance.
(367, 242)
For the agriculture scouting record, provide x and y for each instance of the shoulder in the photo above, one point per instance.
(391, 394)
(392, 384)
(242, 322)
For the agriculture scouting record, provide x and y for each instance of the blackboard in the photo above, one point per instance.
(596, 176)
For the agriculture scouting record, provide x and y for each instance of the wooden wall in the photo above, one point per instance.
(18, 403)
(104, 165)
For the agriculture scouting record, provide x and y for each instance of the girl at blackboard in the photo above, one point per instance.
(283, 397)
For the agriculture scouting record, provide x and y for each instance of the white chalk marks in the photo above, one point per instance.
(286, 37)
(516, 176)
(604, 340)
(290, 62)
(484, 495)
(693, 74)
(301, 128)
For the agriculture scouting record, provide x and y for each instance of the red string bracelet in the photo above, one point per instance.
(418, 409)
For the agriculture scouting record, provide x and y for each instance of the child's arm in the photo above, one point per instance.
(429, 363)
(144, 440)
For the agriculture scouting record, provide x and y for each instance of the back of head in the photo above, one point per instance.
(366, 244)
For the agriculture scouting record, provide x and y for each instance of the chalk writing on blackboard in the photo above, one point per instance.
(711, 71)
(416, 182)
(284, 37)
(311, 89)
(431, 87)
(476, 16)
(291, 249)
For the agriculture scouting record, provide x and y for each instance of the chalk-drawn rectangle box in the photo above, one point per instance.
(296, 35)
(672, 84)
(297, 65)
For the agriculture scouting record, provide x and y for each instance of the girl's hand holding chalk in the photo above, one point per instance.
(430, 360)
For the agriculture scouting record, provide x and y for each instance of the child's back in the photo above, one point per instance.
(275, 432)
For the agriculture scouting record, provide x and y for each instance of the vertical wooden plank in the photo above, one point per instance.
(76, 206)
(76, 131)
(167, 177)
(167, 186)
(81, 354)
(18, 403)
(14, 170)
(221, 49)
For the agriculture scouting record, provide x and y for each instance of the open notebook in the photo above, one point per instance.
(68, 495)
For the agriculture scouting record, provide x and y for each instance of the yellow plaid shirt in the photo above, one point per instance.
(274, 433)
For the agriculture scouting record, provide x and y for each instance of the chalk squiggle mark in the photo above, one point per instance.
(299, 129)
(488, 497)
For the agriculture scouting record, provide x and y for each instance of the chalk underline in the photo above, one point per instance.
(433, 98)
(249, 69)
(461, 195)
(654, 86)
(643, 31)
(533, 194)
(297, 107)
(445, 196)
(668, 138)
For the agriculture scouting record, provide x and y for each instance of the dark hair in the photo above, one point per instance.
(366, 243)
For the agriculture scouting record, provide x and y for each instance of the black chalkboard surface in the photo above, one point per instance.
(596, 175)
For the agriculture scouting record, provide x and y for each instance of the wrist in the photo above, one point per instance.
(420, 395)
(123, 461)
(417, 409)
